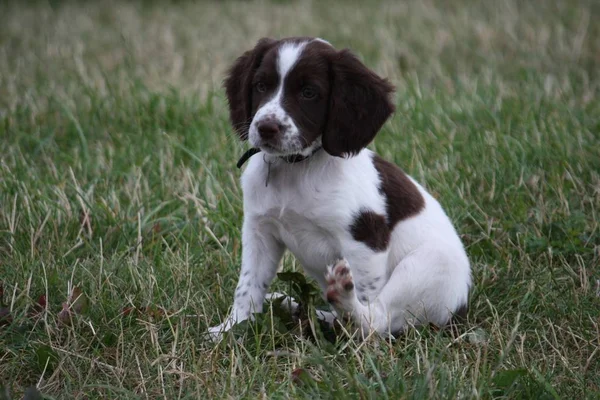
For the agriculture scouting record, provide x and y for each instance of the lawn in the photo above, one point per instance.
(121, 209)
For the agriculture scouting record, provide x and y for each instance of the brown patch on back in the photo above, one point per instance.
(371, 229)
(403, 200)
(402, 197)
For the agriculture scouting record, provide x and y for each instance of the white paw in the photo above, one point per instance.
(215, 333)
(340, 285)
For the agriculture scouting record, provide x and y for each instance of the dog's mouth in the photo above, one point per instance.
(284, 148)
(277, 150)
(266, 147)
(294, 150)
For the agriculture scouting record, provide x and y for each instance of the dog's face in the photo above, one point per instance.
(292, 95)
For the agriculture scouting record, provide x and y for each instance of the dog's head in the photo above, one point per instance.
(292, 95)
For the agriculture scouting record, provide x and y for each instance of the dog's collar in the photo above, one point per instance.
(290, 159)
(246, 156)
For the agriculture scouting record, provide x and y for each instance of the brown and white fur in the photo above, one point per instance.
(380, 247)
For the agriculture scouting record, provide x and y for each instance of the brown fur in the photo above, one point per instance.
(403, 200)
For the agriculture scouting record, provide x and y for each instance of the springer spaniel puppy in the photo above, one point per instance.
(381, 248)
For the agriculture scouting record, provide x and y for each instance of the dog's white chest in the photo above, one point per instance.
(296, 220)
(310, 207)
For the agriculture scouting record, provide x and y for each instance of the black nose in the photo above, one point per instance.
(268, 129)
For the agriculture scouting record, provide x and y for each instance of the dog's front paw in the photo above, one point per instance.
(215, 333)
(340, 285)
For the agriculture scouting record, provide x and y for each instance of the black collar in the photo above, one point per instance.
(291, 159)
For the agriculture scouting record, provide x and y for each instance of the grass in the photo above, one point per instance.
(118, 178)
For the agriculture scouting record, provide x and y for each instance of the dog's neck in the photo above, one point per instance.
(290, 159)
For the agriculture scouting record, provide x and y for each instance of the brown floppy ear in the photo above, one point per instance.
(238, 86)
(359, 105)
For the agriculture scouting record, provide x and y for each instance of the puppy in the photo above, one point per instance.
(381, 248)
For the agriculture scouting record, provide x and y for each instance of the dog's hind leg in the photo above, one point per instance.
(425, 287)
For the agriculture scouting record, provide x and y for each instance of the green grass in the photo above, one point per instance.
(117, 175)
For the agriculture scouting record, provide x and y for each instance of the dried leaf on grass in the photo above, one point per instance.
(39, 306)
(75, 304)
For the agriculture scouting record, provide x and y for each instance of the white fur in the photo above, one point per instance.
(291, 142)
(323, 41)
(308, 207)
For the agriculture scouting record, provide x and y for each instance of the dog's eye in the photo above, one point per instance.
(309, 92)
(260, 87)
